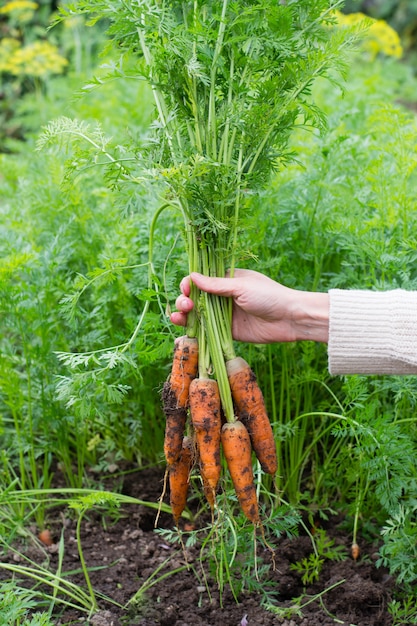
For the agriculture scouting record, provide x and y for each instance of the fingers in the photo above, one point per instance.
(184, 306)
(229, 287)
(185, 286)
(219, 286)
(178, 318)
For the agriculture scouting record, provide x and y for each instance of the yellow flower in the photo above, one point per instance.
(8, 47)
(18, 5)
(349, 19)
(38, 59)
(379, 37)
(385, 38)
(19, 11)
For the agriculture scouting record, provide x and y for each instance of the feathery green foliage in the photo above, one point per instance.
(230, 82)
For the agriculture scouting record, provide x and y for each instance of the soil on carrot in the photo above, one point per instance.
(123, 555)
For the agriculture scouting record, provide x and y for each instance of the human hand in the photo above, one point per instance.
(264, 311)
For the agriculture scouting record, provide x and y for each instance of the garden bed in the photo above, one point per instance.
(127, 551)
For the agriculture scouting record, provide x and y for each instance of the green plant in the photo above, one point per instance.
(140, 596)
(324, 548)
(400, 547)
(17, 606)
(109, 502)
(45, 243)
(81, 505)
(344, 221)
(403, 610)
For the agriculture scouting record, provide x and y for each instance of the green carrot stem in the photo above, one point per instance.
(214, 325)
(192, 328)
(158, 97)
(212, 120)
(216, 354)
(203, 351)
(221, 314)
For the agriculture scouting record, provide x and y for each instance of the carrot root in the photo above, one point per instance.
(179, 479)
(175, 395)
(184, 369)
(205, 411)
(238, 454)
(250, 408)
(175, 419)
(355, 551)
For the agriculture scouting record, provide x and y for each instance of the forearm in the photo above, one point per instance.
(311, 317)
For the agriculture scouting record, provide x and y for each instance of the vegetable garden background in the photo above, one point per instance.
(87, 279)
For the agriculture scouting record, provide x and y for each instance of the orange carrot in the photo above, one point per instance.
(355, 551)
(184, 368)
(205, 411)
(179, 479)
(250, 408)
(174, 431)
(238, 454)
(46, 537)
(175, 395)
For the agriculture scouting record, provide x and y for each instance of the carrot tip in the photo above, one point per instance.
(355, 551)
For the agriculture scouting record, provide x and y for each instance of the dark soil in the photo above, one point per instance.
(131, 551)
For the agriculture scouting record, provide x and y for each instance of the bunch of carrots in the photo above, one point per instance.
(196, 430)
(230, 81)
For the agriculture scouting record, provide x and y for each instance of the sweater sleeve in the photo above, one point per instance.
(372, 332)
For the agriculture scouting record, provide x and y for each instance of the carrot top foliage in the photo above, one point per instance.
(230, 80)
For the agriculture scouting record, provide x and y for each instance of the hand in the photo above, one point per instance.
(264, 311)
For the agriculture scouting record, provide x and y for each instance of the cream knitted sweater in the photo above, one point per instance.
(372, 332)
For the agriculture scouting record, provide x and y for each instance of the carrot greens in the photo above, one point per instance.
(230, 80)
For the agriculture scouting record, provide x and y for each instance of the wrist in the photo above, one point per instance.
(311, 317)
